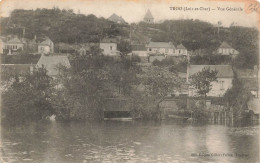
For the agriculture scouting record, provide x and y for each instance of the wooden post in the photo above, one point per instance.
(225, 118)
(218, 117)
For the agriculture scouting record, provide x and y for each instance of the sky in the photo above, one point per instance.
(134, 10)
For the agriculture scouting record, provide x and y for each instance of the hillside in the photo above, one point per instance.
(67, 27)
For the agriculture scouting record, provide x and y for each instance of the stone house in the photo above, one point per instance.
(109, 48)
(226, 49)
(140, 51)
(181, 50)
(12, 46)
(46, 47)
(224, 79)
(165, 48)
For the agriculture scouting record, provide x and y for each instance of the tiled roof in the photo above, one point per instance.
(246, 73)
(225, 45)
(116, 104)
(17, 68)
(46, 42)
(51, 62)
(14, 41)
(181, 47)
(148, 15)
(138, 47)
(116, 18)
(224, 71)
(160, 45)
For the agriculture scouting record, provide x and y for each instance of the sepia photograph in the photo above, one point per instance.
(129, 81)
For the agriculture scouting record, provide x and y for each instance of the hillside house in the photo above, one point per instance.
(166, 48)
(117, 19)
(2, 45)
(249, 79)
(46, 47)
(226, 49)
(181, 50)
(12, 46)
(109, 48)
(224, 79)
(148, 18)
(51, 63)
(140, 51)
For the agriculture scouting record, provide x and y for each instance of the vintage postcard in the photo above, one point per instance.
(129, 81)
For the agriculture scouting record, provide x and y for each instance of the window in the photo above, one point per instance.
(111, 47)
(150, 49)
(179, 51)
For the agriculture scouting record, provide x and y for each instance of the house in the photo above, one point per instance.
(51, 62)
(254, 108)
(249, 79)
(117, 19)
(13, 45)
(226, 49)
(224, 79)
(2, 45)
(109, 48)
(148, 18)
(46, 47)
(140, 51)
(181, 50)
(166, 48)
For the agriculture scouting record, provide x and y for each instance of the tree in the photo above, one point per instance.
(124, 47)
(28, 97)
(238, 96)
(156, 83)
(202, 81)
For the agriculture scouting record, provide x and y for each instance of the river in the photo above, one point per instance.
(55, 142)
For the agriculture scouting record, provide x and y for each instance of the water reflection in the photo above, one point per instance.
(128, 142)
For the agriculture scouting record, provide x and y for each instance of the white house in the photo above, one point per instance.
(46, 47)
(181, 50)
(226, 49)
(13, 45)
(109, 48)
(224, 79)
(166, 48)
(51, 62)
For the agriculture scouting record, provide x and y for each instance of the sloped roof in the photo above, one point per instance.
(138, 47)
(224, 71)
(225, 45)
(254, 105)
(160, 45)
(116, 104)
(181, 47)
(148, 15)
(116, 18)
(46, 42)
(14, 41)
(20, 69)
(246, 73)
(51, 62)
